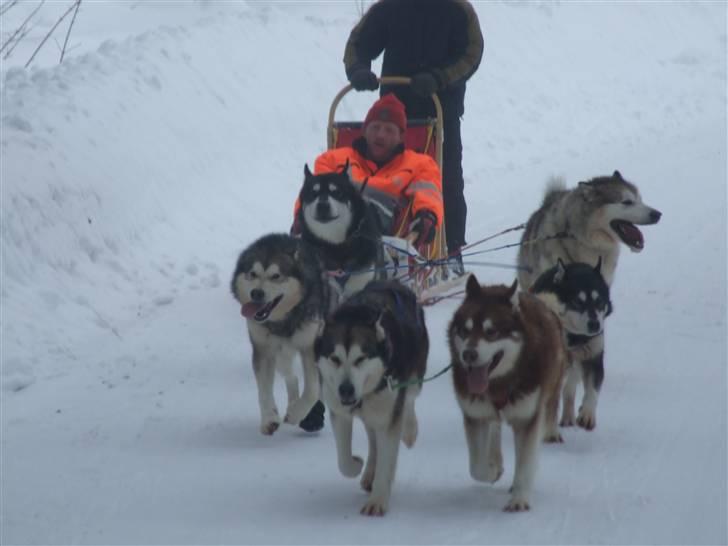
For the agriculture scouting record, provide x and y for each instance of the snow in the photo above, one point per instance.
(174, 134)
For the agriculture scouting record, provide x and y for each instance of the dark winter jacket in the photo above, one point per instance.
(442, 37)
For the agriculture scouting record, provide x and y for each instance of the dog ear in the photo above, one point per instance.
(610, 308)
(598, 267)
(560, 272)
(307, 171)
(472, 288)
(513, 294)
(617, 175)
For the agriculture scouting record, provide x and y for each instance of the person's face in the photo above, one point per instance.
(382, 138)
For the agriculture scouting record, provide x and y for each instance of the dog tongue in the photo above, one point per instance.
(478, 379)
(249, 309)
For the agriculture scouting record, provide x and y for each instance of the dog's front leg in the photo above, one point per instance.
(593, 376)
(527, 438)
(349, 465)
(298, 409)
(387, 441)
(568, 395)
(486, 461)
(368, 477)
(264, 368)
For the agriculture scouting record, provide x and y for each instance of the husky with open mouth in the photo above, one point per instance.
(592, 220)
(284, 300)
(508, 358)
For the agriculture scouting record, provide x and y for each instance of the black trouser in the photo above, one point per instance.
(456, 210)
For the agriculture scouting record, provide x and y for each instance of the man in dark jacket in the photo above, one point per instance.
(438, 43)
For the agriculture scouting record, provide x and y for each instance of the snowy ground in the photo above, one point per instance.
(134, 173)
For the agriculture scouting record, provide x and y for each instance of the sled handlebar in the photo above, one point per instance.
(388, 80)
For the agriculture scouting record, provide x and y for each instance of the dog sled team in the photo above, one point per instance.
(328, 295)
(373, 240)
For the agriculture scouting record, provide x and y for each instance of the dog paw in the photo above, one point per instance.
(517, 504)
(352, 467)
(269, 427)
(374, 507)
(297, 410)
(489, 472)
(567, 421)
(553, 438)
(587, 419)
(314, 421)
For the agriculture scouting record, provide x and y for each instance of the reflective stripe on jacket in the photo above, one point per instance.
(408, 176)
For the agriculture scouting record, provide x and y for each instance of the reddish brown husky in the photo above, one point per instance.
(508, 358)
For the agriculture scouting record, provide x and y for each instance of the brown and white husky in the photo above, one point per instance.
(508, 359)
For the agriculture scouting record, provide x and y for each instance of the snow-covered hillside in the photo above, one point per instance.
(176, 133)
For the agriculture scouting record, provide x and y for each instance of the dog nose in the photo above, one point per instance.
(470, 356)
(346, 391)
(323, 208)
(593, 326)
(655, 216)
(257, 295)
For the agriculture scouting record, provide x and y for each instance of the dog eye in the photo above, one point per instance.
(359, 360)
(275, 276)
(628, 202)
(491, 332)
(252, 275)
(335, 359)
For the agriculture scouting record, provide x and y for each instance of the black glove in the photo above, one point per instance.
(364, 79)
(425, 226)
(424, 84)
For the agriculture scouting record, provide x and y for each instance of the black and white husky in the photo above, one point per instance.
(375, 339)
(342, 226)
(278, 283)
(579, 295)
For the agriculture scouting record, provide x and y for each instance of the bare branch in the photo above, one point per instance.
(20, 39)
(20, 28)
(9, 4)
(70, 26)
(45, 39)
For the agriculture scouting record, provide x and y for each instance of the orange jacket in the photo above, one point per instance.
(408, 176)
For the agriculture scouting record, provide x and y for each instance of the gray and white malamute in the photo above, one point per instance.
(335, 218)
(372, 356)
(278, 283)
(594, 219)
(508, 358)
(579, 295)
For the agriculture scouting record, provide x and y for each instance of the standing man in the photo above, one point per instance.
(437, 43)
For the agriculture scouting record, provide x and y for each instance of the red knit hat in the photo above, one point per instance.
(388, 108)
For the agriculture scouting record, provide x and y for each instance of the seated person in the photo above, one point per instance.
(394, 176)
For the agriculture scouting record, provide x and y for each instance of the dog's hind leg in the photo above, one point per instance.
(387, 441)
(551, 429)
(410, 427)
(264, 368)
(349, 465)
(299, 408)
(484, 449)
(568, 416)
(370, 469)
(593, 376)
(527, 437)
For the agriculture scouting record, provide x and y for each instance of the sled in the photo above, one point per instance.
(425, 269)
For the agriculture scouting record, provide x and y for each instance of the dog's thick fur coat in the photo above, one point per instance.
(376, 338)
(508, 357)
